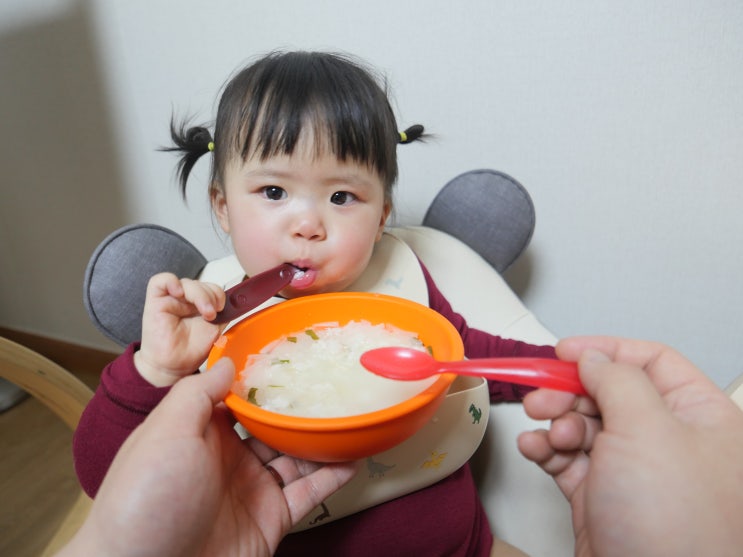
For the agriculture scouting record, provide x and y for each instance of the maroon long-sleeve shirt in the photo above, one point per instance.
(446, 518)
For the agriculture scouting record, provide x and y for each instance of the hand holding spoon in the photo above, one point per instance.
(408, 364)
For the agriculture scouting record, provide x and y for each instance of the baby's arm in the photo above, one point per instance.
(121, 402)
(176, 332)
(175, 341)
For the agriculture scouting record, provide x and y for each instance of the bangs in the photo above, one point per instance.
(331, 100)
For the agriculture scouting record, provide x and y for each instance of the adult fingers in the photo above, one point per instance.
(292, 469)
(574, 432)
(568, 468)
(305, 483)
(535, 445)
(568, 435)
(547, 404)
(261, 450)
(307, 492)
(667, 368)
(624, 393)
(188, 407)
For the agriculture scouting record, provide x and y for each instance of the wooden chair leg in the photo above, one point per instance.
(62, 393)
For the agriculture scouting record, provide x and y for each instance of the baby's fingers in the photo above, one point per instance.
(164, 285)
(208, 298)
(165, 299)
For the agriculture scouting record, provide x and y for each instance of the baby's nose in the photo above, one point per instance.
(309, 225)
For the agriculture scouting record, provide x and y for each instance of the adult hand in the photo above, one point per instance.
(653, 465)
(184, 483)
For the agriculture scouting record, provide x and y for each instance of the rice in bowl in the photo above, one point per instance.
(316, 372)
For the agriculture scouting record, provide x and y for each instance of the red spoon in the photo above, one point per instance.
(408, 364)
(253, 291)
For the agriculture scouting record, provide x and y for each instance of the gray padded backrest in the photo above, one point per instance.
(121, 266)
(487, 210)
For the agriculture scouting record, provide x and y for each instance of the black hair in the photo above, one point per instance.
(266, 106)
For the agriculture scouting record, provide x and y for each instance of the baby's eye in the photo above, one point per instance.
(274, 193)
(342, 198)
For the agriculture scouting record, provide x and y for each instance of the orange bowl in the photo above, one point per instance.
(341, 438)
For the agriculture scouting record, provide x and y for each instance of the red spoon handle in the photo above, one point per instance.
(252, 292)
(534, 372)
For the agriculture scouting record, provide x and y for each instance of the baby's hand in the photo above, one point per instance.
(176, 333)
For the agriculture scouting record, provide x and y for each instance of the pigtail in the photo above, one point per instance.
(191, 143)
(413, 133)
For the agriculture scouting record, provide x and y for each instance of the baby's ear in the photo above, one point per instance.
(219, 206)
(383, 220)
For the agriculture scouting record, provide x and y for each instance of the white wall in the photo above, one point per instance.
(623, 119)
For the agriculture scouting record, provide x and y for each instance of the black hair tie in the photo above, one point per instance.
(411, 134)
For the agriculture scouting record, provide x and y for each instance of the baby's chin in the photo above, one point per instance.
(292, 292)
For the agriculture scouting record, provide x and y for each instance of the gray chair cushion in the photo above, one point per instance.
(118, 272)
(487, 210)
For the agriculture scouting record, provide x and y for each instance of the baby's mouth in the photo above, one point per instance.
(298, 271)
(303, 276)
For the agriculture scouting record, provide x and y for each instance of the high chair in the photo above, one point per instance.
(476, 227)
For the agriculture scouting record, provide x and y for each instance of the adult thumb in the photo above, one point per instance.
(624, 393)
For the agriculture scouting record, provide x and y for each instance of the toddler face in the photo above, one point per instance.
(312, 210)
